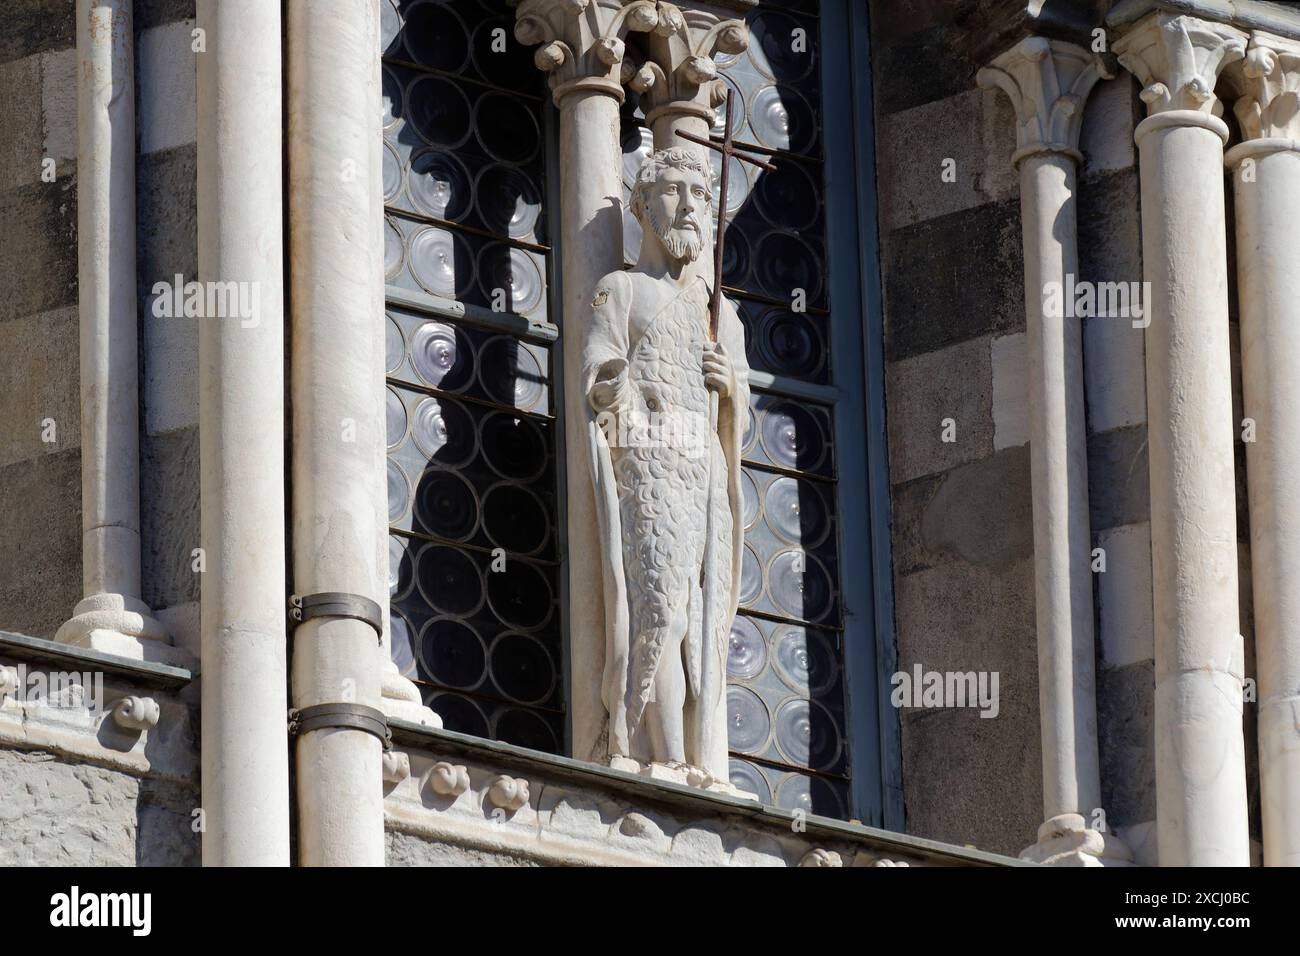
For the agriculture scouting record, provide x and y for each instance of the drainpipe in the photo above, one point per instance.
(338, 428)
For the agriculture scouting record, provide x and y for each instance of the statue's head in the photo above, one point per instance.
(673, 201)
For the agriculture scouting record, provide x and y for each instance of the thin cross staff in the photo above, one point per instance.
(726, 147)
(709, 677)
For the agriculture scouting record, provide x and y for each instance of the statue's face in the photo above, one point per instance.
(676, 209)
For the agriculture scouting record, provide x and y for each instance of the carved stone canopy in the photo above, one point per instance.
(662, 51)
(1048, 82)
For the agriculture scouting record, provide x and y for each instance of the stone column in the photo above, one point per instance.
(241, 428)
(338, 423)
(1048, 83)
(1200, 762)
(399, 697)
(1266, 177)
(111, 616)
(582, 50)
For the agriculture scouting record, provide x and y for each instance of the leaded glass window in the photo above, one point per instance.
(473, 394)
(471, 409)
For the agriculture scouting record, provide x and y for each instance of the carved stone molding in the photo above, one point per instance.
(679, 75)
(582, 42)
(1048, 82)
(1270, 80)
(562, 812)
(1178, 60)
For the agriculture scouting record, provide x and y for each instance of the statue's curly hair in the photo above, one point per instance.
(675, 157)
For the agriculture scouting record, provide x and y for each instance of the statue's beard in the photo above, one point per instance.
(679, 242)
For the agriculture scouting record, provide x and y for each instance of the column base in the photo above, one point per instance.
(124, 626)
(400, 698)
(1066, 840)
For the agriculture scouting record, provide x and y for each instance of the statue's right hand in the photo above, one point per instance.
(610, 386)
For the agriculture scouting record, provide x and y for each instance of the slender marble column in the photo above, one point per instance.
(399, 697)
(1200, 757)
(582, 50)
(1266, 179)
(241, 434)
(111, 616)
(338, 425)
(1048, 83)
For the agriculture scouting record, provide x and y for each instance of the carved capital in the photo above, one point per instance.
(679, 74)
(1269, 77)
(582, 42)
(1178, 60)
(1048, 82)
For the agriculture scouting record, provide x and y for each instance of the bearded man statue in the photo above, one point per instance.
(667, 481)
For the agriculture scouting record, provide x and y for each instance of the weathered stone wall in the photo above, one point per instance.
(963, 541)
(40, 492)
(79, 788)
(62, 800)
(955, 349)
(59, 813)
(40, 462)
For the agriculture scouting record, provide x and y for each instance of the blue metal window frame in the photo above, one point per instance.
(857, 337)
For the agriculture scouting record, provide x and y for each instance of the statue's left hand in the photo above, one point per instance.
(718, 373)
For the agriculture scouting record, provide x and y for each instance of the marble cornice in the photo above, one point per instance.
(989, 28)
(1243, 14)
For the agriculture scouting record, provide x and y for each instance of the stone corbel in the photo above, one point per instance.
(1048, 82)
(397, 766)
(136, 713)
(582, 41)
(679, 76)
(508, 793)
(1178, 60)
(446, 779)
(9, 682)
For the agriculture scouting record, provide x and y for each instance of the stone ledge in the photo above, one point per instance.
(1246, 14)
(142, 673)
(491, 797)
(155, 737)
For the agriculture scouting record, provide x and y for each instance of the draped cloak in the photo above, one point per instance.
(652, 497)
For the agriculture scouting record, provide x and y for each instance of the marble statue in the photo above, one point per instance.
(667, 409)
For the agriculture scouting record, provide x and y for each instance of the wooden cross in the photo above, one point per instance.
(726, 147)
